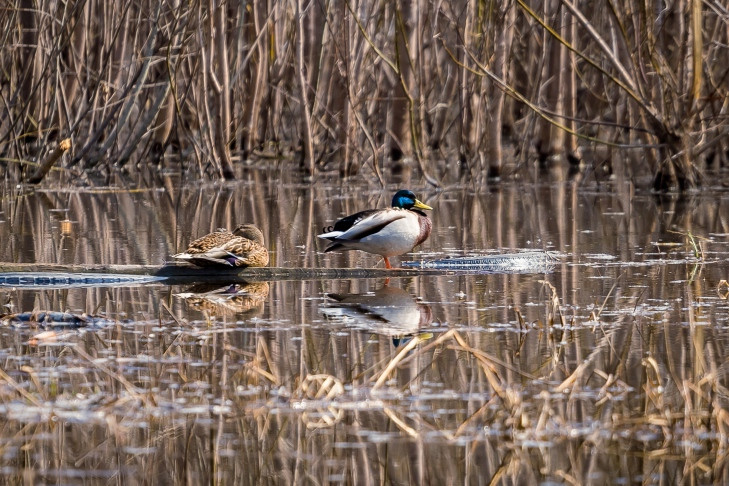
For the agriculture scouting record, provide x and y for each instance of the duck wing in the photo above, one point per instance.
(203, 260)
(332, 232)
(347, 222)
(363, 224)
(205, 243)
(237, 251)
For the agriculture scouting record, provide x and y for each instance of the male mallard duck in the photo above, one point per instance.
(241, 248)
(385, 232)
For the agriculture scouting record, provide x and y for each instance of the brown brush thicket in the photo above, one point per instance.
(639, 87)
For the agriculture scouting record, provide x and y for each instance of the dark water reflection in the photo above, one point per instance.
(610, 369)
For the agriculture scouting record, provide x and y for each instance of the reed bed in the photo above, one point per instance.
(369, 88)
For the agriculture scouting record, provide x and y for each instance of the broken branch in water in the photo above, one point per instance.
(48, 162)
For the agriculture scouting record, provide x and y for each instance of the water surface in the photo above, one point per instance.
(611, 368)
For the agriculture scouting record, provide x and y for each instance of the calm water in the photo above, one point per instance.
(612, 368)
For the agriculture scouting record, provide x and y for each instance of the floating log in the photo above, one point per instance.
(60, 275)
(56, 280)
(19, 275)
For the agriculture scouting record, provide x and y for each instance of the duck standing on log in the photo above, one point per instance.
(385, 232)
(243, 247)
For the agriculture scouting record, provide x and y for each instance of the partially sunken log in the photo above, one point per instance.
(50, 274)
(32, 274)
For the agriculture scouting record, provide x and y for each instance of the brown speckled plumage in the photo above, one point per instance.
(244, 247)
(205, 243)
(237, 299)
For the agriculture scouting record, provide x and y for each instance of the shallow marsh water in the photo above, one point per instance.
(610, 369)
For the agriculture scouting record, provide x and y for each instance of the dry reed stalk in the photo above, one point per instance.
(34, 378)
(604, 395)
(569, 382)
(19, 389)
(466, 423)
(320, 386)
(572, 379)
(325, 417)
(569, 478)
(256, 369)
(550, 140)
(489, 359)
(489, 369)
(262, 347)
(138, 394)
(221, 83)
(307, 137)
(505, 26)
(556, 309)
(48, 162)
(400, 423)
(541, 423)
(405, 360)
(721, 416)
(520, 319)
(504, 467)
(436, 342)
(385, 374)
(179, 322)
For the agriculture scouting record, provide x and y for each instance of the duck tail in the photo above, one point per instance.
(334, 247)
(330, 235)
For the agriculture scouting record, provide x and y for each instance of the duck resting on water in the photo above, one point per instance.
(385, 232)
(243, 247)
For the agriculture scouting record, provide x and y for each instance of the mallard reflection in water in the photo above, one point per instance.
(244, 247)
(247, 298)
(389, 311)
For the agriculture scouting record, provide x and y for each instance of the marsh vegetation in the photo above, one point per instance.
(129, 128)
(637, 90)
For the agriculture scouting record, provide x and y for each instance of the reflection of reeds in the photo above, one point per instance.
(640, 386)
(611, 393)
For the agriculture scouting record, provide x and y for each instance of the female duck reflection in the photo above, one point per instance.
(235, 299)
(389, 311)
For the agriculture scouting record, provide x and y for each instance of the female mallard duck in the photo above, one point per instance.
(241, 248)
(385, 232)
